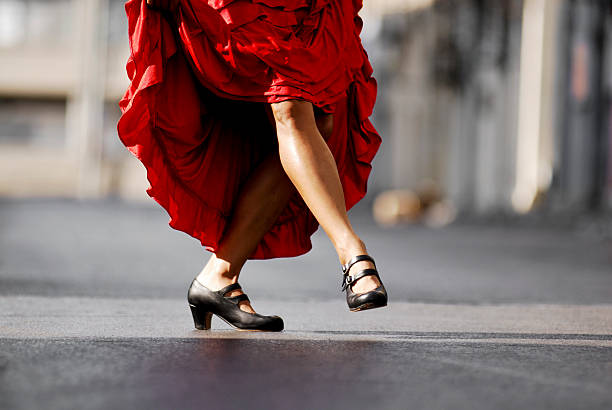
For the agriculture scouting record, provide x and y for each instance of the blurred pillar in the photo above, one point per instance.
(534, 154)
(496, 82)
(411, 96)
(480, 171)
(606, 145)
(85, 111)
(580, 175)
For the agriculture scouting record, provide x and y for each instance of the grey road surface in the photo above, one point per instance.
(93, 316)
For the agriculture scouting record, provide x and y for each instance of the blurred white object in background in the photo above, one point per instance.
(396, 206)
(12, 23)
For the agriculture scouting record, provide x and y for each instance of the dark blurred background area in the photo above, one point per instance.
(486, 108)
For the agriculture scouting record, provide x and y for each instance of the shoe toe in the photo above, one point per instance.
(276, 324)
(377, 297)
(271, 325)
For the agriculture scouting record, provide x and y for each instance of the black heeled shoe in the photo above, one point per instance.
(205, 302)
(367, 300)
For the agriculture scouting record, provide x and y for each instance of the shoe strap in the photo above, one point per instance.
(238, 298)
(354, 260)
(229, 288)
(348, 280)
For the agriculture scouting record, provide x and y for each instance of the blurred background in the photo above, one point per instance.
(496, 121)
(485, 107)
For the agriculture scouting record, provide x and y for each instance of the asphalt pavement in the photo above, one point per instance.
(481, 316)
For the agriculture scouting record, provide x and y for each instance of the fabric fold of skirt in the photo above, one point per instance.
(194, 113)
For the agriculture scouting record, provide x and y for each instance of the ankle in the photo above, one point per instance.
(349, 250)
(217, 272)
(216, 277)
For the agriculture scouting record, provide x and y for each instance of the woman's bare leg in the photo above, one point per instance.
(311, 167)
(259, 204)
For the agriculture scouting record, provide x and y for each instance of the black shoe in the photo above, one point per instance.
(205, 302)
(367, 300)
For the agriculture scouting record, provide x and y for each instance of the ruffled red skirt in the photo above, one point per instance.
(194, 113)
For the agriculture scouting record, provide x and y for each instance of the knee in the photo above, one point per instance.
(299, 115)
(292, 113)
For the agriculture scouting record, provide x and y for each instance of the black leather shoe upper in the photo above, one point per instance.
(227, 308)
(356, 301)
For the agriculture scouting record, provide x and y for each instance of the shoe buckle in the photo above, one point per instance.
(347, 281)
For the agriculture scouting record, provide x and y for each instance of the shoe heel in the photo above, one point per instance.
(201, 318)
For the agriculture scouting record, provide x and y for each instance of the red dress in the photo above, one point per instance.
(194, 113)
